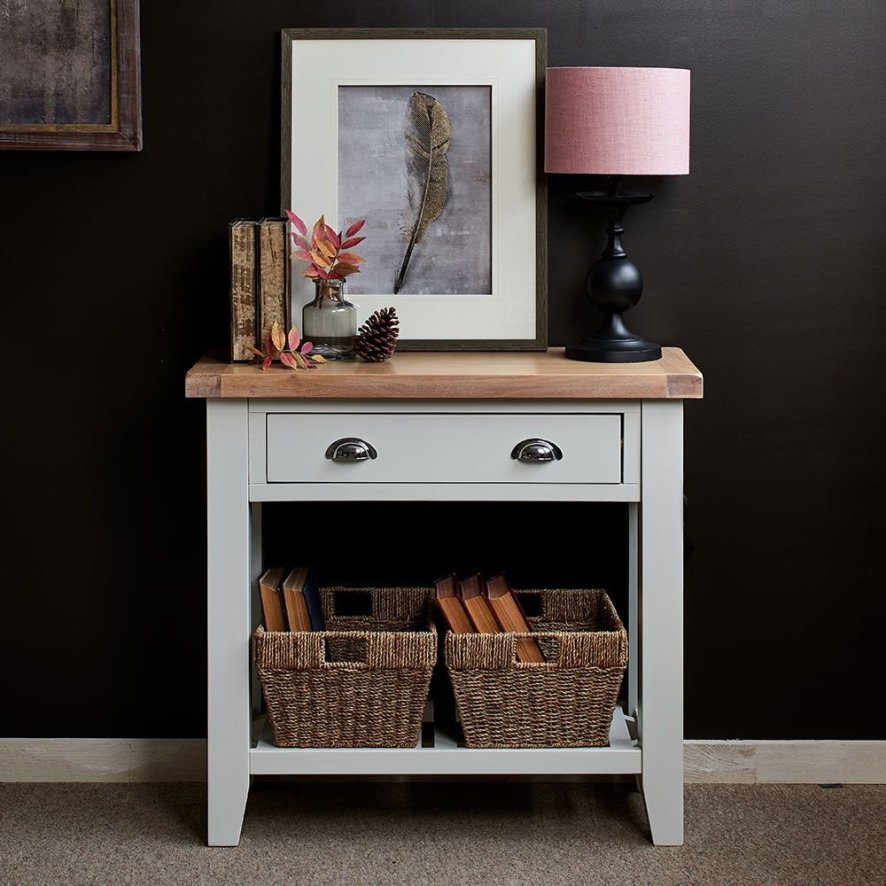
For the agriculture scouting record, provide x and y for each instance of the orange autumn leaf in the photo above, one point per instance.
(319, 258)
(326, 248)
(278, 337)
(350, 258)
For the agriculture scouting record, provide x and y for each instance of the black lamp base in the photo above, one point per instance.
(613, 342)
(636, 350)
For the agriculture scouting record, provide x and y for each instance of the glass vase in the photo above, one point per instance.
(329, 321)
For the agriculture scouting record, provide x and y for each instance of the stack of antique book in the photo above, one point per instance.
(259, 258)
(290, 600)
(490, 607)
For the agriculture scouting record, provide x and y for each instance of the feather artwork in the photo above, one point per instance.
(428, 133)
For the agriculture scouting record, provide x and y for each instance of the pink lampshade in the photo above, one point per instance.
(617, 121)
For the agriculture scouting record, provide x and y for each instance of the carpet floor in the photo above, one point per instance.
(486, 833)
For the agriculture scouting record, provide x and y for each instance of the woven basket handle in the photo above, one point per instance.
(355, 602)
(380, 650)
(581, 650)
(499, 651)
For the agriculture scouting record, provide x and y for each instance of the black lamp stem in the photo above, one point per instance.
(614, 284)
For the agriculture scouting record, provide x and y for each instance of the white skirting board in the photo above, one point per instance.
(784, 762)
(705, 762)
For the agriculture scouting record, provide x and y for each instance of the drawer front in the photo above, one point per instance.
(444, 448)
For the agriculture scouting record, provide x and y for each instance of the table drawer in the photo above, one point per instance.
(444, 448)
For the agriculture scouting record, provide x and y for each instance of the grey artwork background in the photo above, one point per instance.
(55, 61)
(455, 256)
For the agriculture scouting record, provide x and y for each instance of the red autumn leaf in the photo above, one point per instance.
(350, 258)
(267, 362)
(352, 242)
(300, 241)
(311, 272)
(334, 276)
(332, 237)
(346, 270)
(288, 359)
(301, 255)
(355, 227)
(323, 274)
(307, 347)
(293, 338)
(297, 223)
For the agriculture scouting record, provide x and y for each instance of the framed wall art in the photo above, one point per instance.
(70, 76)
(432, 136)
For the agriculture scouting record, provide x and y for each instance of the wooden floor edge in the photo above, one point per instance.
(145, 760)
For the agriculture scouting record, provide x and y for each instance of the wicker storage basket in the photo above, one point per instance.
(567, 701)
(371, 693)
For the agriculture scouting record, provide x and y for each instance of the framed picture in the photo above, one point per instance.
(70, 76)
(432, 136)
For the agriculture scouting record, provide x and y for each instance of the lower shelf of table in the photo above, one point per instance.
(445, 757)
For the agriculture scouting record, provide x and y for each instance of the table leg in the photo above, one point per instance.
(661, 620)
(228, 618)
(633, 607)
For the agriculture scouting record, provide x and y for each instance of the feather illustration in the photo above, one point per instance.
(427, 139)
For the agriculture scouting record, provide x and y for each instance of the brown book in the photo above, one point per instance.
(509, 615)
(241, 250)
(452, 608)
(273, 276)
(294, 600)
(477, 605)
(271, 604)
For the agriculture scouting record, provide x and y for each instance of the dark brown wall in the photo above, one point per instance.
(767, 264)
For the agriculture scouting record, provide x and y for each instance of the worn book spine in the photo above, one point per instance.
(273, 276)
(271, 602)
(453, 609)
(506, 608)
(241, 250)
(296, 609)
(477, 606)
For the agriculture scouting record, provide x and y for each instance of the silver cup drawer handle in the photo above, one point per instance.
(349, 449)
(536, 450)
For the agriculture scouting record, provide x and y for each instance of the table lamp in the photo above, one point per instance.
(616, 122)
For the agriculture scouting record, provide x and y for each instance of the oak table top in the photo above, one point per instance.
(535, 375)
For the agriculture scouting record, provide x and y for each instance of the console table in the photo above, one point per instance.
(620, 431)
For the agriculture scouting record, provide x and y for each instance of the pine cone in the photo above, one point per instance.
(377, 337)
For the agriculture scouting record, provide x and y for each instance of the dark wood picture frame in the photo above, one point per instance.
(537, 342)
(123, 132)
